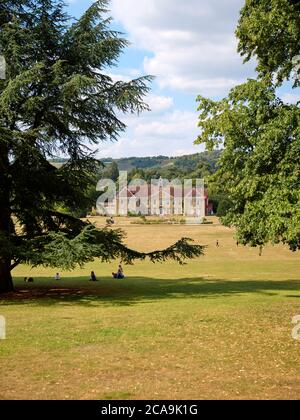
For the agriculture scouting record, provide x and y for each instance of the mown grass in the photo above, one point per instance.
(217, 328)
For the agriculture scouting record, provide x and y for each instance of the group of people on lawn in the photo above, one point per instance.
(118, 275)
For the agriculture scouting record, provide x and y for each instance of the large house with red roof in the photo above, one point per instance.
(160, 200)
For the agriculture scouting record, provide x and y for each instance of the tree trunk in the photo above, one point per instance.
(6, 284)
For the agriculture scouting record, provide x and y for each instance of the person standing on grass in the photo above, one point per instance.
(218, 244)
(93, 276)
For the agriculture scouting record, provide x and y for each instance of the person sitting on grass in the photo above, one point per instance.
(110, 222)
(93, 276)
(119, 274)
(57, 277)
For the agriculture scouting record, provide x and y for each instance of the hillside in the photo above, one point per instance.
(184, 163)
(128, 164)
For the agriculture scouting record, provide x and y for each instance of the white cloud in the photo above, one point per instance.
(191, 48)
(159, 103)
(126, 76)
(171, 133)
(192, 42)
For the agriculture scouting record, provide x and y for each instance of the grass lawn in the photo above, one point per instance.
(219, 327)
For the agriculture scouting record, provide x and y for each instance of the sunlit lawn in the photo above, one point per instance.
(219, 327)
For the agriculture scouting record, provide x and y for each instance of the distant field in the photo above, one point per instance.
(219, 327)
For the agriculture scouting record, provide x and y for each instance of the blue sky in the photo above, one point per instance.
(189, 45)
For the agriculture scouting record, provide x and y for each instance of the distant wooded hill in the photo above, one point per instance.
(185, 163)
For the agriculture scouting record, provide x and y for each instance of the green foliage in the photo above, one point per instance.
(186, 163)
(269, 30)
(200, 165)
(111, 172)
(128, 164)
(223, 208)
(58, 250)
(260, 165)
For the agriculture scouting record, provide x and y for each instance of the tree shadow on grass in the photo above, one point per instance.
(133, 290)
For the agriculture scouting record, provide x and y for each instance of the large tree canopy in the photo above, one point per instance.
(259, 167)
(58, 98)
(269, 31)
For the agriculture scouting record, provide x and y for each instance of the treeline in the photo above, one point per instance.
(185, 163)
(128, 164)
(200, 165)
